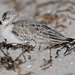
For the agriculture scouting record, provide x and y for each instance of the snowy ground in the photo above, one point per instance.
(63, 65)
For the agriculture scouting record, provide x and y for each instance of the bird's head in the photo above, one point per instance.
(8, 17)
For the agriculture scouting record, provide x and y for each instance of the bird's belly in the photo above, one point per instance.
(9, 36)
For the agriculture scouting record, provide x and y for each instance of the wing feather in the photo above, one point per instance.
(29, 27)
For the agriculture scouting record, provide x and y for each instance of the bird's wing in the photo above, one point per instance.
(30, 27)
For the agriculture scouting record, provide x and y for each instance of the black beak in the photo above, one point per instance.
(0, 22)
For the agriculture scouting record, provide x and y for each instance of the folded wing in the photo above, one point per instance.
(30, 27)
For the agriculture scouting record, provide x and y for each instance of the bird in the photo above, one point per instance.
(18, 29)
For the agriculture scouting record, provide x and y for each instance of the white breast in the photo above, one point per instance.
(8, 35)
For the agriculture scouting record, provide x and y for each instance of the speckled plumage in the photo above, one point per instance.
(21, 30)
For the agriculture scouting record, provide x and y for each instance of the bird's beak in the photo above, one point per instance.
(0, 23)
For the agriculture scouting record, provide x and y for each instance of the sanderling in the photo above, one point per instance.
(16, 29)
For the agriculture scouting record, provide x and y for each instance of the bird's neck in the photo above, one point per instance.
(6, 24)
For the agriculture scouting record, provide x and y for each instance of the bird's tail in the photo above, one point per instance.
(70, 39)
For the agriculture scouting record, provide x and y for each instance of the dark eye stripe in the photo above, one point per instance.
(4, 16)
